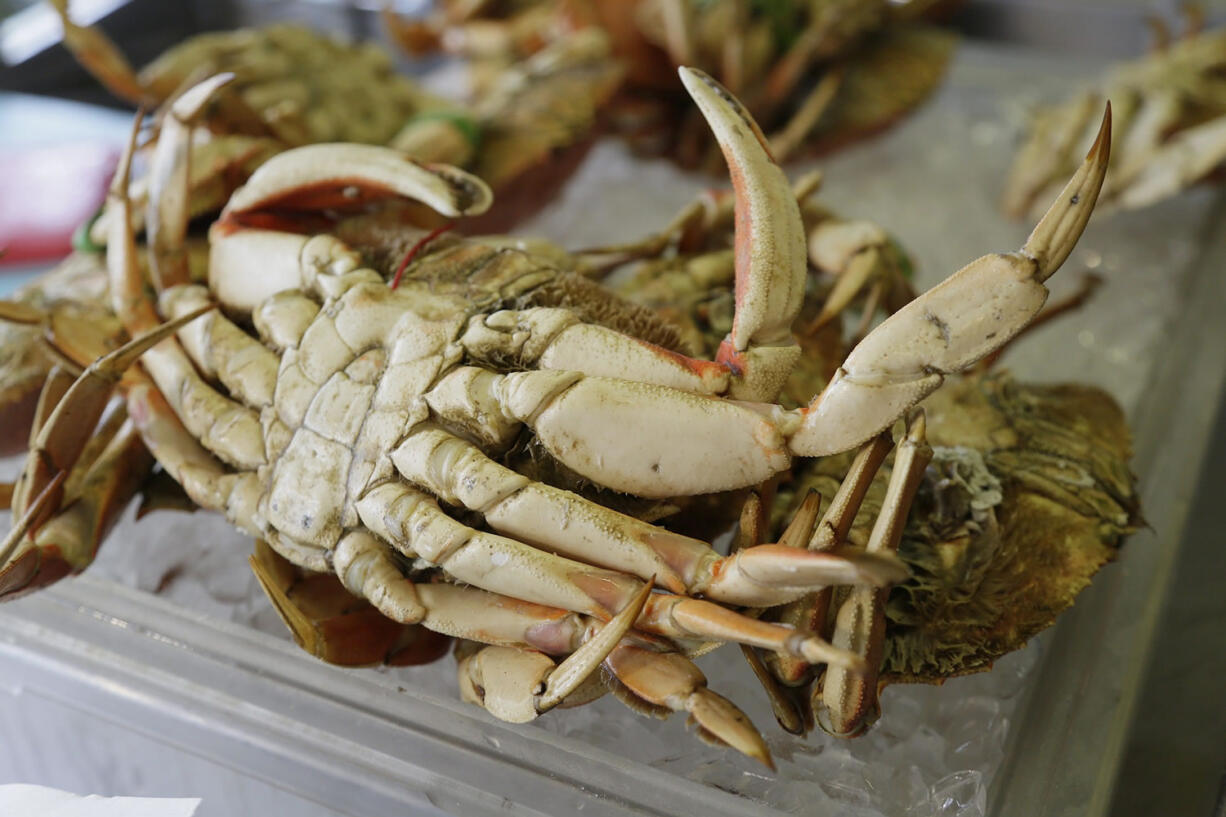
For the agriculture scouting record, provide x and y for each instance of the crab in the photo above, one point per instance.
(1171, 131)
(1024, 480)
(366, 432)
(815, 74)
(292, 86)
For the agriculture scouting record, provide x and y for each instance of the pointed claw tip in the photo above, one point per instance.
(1102, 142)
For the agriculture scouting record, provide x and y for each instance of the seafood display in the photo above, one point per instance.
(1170, 133)
(814, 74)
(437, 424)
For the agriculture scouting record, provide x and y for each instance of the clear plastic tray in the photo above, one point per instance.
(205, 667)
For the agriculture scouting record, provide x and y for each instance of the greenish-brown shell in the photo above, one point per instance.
(1028, 495)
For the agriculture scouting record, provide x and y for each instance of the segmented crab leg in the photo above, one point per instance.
(1188, 156)
(517, 685)
(855, 250)
(672, 681)
(70, 427)
(566, 523)
(169, 188)
(412, 521)
(848, 703)
(68, 541)
(810, 612)
(789, 708)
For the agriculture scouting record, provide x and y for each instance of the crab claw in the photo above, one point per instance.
(258, 227)
(965, 317)
(343, 175)
(770, 247)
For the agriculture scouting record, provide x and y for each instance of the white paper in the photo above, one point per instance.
(40, 801)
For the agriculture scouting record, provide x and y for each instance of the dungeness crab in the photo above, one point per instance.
(367, 419)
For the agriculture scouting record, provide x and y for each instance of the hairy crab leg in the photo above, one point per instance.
(848, 703)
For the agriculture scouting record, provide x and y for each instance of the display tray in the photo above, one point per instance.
(169, 634)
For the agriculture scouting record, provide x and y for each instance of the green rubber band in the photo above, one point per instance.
(463, 123)
(81, 242)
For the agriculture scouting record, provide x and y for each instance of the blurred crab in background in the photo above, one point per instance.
(290, 86)
(814, 74)
(1170, 109)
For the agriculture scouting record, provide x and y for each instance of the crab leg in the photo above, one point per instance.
(897, 364)
(412, 521)
(672, 681)
(848, 703)
(810, 612)
(169, 187)
(68, 541)
(100, 57)
(78, 504)
(71, 425)
(505, 681)
(1186, 157)
(518, 685)
(558, 520)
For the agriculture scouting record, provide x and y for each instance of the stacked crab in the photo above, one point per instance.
(1171, 131)
(440, 425)
(815, 74)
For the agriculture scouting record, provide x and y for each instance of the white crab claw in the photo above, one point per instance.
(336, 175)
(956, 323)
